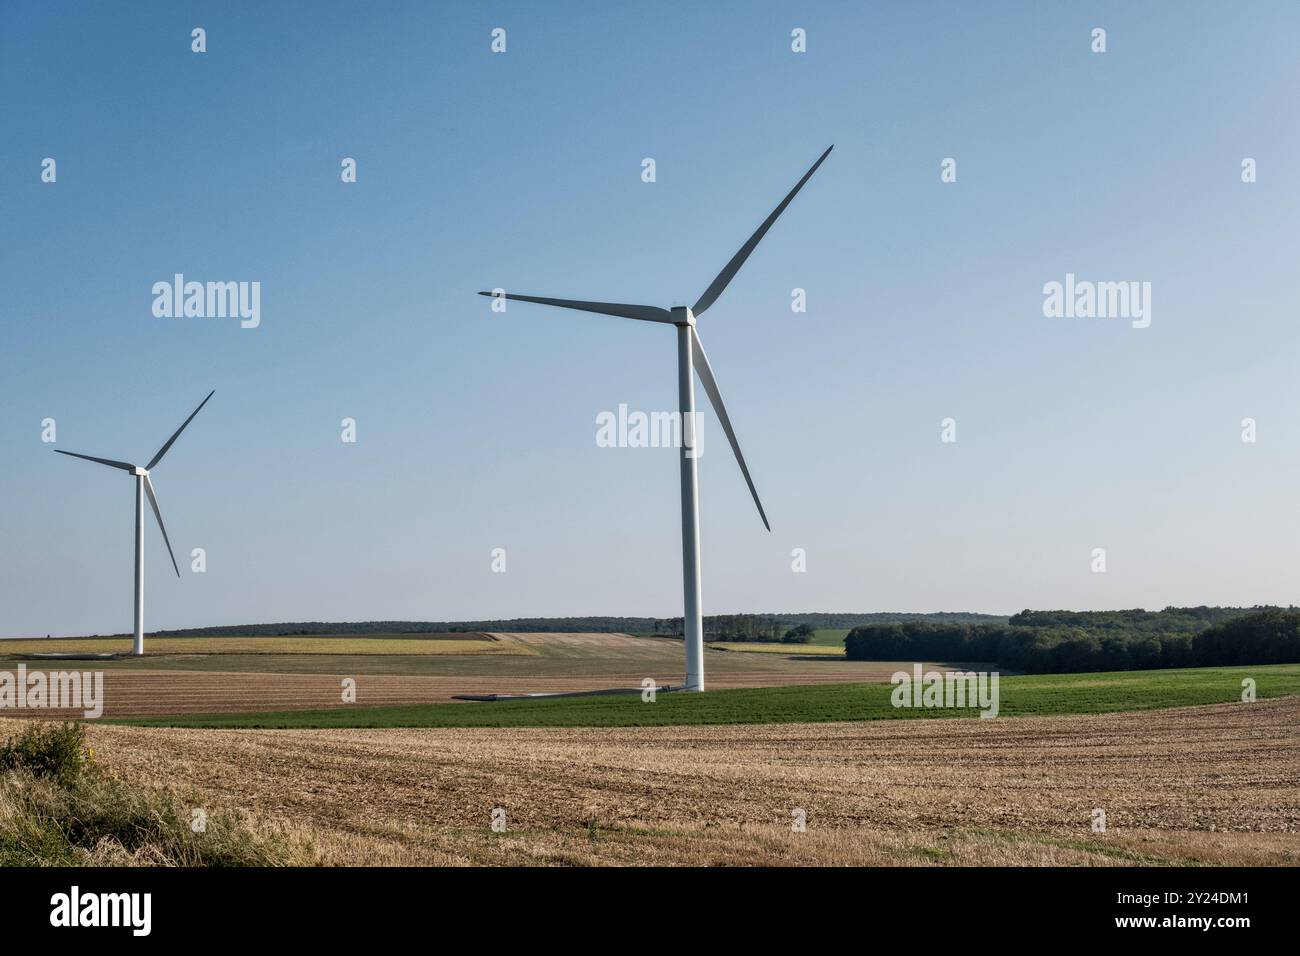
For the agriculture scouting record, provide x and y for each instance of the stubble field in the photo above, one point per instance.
(1212, 785)
(201, 675)
(722, 781)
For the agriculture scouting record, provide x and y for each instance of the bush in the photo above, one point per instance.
(56, 752)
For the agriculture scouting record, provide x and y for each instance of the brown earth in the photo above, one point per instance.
(1217, 785)
(156, 692)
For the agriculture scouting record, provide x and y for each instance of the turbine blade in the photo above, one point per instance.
(705, 372)
(103, 461)
(163, 450)
(648, 313)
(148, 487)
(729, 271)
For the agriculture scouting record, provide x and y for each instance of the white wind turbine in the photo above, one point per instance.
(143, 486)
(690, 356)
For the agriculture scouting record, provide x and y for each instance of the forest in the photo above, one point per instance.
(1048, 642)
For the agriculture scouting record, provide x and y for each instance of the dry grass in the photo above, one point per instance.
(58, 806)
(1213, 785)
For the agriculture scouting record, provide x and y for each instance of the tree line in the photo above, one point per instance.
(1046, 642)
(717, 627)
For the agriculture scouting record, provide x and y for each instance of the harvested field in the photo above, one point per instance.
(1213, 784)
(605, 647)
(143, 693)
(304, 644)
(558, 661)
(578, 638)
(257, 674)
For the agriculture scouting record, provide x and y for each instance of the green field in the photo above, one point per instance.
(830, 636)
(827, 641)
(764, 647)
(1028, 695)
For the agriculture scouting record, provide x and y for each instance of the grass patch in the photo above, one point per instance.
(830, 637)
(1096, 847)
(1026, 695)
(936, 854)
(59, 808)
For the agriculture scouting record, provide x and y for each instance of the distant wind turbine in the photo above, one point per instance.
(690, 356)
(143, 486)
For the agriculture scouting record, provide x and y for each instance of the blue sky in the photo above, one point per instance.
(477, 430)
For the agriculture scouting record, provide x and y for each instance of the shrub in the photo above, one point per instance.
(56, 752)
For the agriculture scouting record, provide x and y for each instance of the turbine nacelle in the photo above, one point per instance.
(683, 316)
(140, 472)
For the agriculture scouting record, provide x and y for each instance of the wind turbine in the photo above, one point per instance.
(691, 357)
(143, 486)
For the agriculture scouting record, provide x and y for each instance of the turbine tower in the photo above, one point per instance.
(691, 358)
(143, 486)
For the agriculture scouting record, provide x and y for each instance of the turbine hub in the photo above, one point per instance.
(682, 315)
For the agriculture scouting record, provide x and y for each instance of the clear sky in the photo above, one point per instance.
(477, 430)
